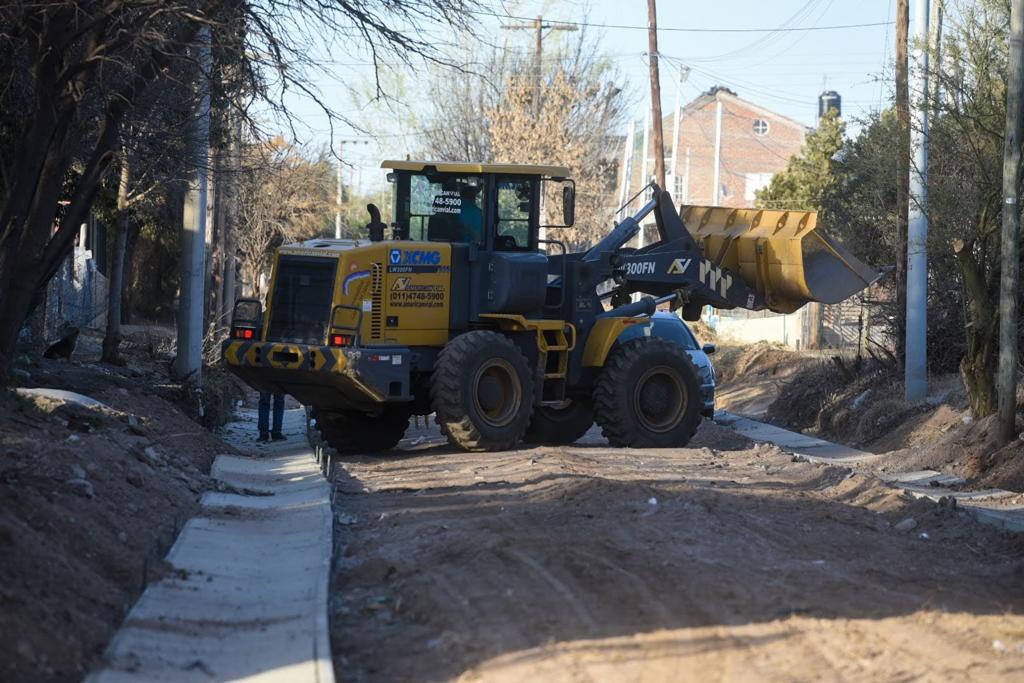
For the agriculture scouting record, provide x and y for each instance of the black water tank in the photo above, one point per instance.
(830, 99)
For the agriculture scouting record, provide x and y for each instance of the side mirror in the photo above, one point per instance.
(709, 349)
(568, 205)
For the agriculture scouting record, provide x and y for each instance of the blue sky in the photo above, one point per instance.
(784, 71)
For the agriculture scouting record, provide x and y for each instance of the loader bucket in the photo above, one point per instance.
(782, 254)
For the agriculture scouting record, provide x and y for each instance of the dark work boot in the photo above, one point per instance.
(264, 436)
(278, 436)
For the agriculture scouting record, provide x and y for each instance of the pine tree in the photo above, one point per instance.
(809, 175)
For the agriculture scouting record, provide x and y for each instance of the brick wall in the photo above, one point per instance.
(747, 159)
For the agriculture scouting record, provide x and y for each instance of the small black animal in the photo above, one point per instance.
(65, 347)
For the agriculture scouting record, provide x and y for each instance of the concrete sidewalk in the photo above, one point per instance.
(923, 484)
(247, 598)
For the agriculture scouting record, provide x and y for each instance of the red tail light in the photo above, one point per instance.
(243, 333)
(341, 340)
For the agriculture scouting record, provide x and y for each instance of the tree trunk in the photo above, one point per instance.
(977, 369)
(115, 286)
(130, 267)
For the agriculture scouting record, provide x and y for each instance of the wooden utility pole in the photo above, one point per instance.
(1009, 273)
(902, 173)
(538, 25)
(659, 137)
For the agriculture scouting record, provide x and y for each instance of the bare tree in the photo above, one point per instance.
(75, 69)
(573, 126)
(284, 196)
(490, 112)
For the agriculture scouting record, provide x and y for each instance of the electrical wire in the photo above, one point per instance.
(794, 29)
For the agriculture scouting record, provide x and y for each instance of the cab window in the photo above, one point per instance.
(515, 214)
(440, 207)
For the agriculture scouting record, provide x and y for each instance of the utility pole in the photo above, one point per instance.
(189, 361)
(644, 173)
(1009, 268)
(716, 191)
(340, 199)
(902, 174)
(659, 137)
(627, 165)
(539, 26)
(684, 73)
(915, 372)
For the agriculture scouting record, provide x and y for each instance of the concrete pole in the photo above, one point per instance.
(641, 236)
(627, 165)
(716, 194)
(188, 363)
(916, 370)
(686, 178)
(675, 133)
(644, 169)
(340, 197)
(1009, 273)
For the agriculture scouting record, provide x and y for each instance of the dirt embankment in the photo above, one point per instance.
(91, 498)
(723, 561)
(750, 378)
(859, 402)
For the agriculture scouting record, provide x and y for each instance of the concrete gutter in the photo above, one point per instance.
(923, 484)
(247, 597)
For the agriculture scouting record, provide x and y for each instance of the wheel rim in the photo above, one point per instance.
(497, 393)
(659, 399)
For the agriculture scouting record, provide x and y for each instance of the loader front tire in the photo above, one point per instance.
(351, 431)
(648, 395)
(560, 426)
(482, 392)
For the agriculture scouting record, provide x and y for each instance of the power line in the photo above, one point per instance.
(793, 29)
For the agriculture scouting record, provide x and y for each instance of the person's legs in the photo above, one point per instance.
(263, 419)
(278, 417)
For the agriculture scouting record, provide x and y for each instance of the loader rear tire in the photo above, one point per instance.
(482, 392)
(648, 395)
(351, 431)
(559, 426)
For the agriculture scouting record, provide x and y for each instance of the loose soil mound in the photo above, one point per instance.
(861, 404)
(751, 377)
(90, 500)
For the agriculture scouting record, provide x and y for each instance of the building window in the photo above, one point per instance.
(760, 127)
(679, 188)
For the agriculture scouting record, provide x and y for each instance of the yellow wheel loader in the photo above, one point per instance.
(462, 309)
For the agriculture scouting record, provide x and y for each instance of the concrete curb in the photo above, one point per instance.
(247, 599)
(924, 484)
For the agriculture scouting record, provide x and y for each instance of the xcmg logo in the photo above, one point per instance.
(417, 257)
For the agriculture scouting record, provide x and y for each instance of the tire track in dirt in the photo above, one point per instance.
(553, 564)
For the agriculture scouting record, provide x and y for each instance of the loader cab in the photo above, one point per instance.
(492, 207)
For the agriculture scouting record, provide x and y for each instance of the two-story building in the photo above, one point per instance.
(722, 150)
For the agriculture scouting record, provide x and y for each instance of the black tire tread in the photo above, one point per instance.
(354, 432)
(547, 431)
(618, 427)
(445, 391)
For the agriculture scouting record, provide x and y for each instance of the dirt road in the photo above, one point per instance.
(723, 561)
